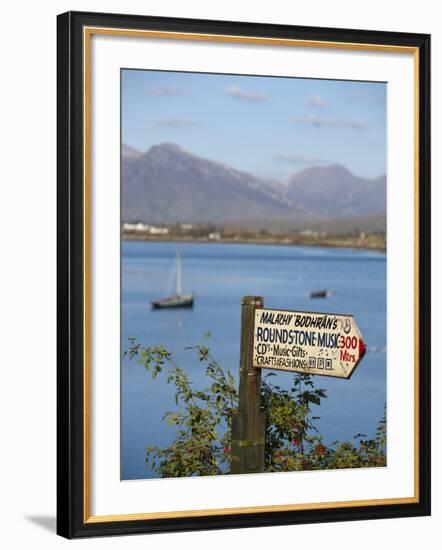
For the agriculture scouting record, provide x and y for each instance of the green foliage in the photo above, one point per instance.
(202, 444)
(292, 438)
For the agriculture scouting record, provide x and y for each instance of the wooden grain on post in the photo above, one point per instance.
(248, 424)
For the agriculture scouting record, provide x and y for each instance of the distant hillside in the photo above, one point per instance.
(128, 152)
(373, 223)
(169, 185)
(334, 192)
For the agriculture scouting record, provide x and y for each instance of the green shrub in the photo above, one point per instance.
(202, 444)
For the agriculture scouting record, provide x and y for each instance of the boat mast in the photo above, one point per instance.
(178, 273)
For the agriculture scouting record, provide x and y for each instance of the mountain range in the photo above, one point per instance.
(334, 192)
(169, 185)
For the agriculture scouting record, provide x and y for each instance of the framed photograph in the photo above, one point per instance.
(243, 274)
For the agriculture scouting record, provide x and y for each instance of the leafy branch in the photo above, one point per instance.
(202, 444)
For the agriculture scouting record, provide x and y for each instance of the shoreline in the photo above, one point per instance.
(367, 243)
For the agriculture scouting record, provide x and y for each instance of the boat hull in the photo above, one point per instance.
(320, 294)
(184, 301)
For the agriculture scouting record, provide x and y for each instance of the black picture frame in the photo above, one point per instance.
(72, 515)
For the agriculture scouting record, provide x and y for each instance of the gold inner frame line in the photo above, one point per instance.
(87, 34)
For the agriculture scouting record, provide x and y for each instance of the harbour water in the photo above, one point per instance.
(219, 275)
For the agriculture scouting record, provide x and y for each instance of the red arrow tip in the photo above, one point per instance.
(362, 348)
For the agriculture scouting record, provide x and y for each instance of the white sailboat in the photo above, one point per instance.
(179, 299)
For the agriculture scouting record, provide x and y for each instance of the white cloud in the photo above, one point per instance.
(176, 122)
(317, 101)
(301, 160)
(166, 91)
(320, 122)
(237, 92)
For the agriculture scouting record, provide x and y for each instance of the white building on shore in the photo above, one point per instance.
(145, 228)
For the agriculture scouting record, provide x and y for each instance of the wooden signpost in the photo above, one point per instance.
(248, 424)
(324, 344)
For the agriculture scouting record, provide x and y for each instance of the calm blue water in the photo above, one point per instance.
(220, 274)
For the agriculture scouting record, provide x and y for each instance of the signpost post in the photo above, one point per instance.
(248, 424)
(327, 344)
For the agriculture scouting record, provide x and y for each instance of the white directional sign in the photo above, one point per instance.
(313, 343)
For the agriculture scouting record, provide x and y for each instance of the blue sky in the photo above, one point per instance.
(270, 127)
